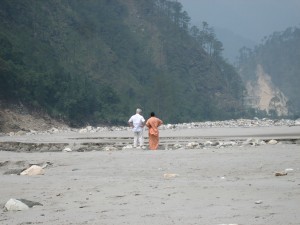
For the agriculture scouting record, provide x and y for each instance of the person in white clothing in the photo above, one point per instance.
(137, 122)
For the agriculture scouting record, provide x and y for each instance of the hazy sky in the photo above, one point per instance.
(252, 19)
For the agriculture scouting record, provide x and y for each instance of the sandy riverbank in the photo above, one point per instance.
(234, 185)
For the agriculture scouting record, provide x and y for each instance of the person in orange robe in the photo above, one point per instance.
(153, 123)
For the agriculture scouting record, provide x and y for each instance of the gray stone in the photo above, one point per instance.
(127, 147)
(67, 149)
(208, 143)
(15, 205)
(272, 142)
(177, 146)
(192, 145)
(33, 170)
(110, 148)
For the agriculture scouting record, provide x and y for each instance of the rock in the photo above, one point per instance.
(54, 148)
(54, 130)
(127, 147)
(192, 145)
(82, 131)
(170, 126)
(33, 170)
(272, 142)
(252, 141)
(177, 146)
(44, 148)
(15, 205)
(208, 143)
(110, 148)
(227, 143)
(170, 175)
(99, 129)
(215, 143)
(21, 132)
(67, 149)
(89, 128)
(262, 143)
(19, 204)
(283, 173)
(32, 132)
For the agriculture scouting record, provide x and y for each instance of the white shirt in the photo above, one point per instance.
(137, 120)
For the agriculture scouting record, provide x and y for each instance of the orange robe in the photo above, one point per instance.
(153, 123)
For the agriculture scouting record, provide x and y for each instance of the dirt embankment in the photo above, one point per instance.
(17, 117)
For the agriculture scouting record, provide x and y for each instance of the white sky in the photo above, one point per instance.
(252, 19)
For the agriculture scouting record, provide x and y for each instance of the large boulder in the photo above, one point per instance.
(33, 170)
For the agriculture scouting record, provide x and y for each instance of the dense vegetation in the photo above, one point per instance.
(279, 54)
(95, 61)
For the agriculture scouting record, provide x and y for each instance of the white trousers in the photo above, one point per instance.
(138, 138)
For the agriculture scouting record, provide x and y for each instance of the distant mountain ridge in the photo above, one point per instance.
(95, 61)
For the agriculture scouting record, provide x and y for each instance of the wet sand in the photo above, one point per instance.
(232, 185)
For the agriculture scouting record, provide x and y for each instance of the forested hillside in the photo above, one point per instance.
(95, 61)
(279, 56)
